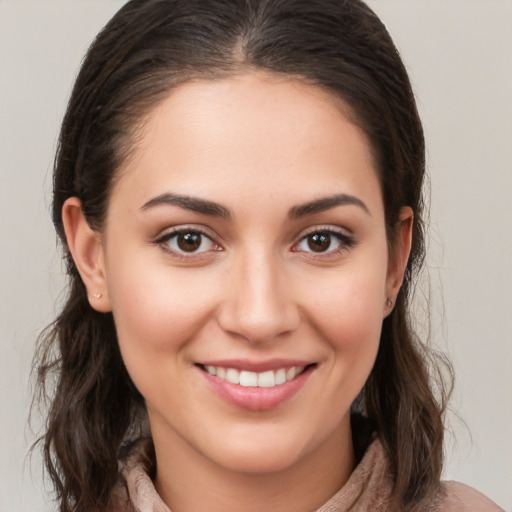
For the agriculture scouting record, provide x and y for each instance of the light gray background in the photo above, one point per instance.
(459, 54)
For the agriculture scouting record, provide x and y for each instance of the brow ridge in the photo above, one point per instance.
(189, 203)
(206, 207)
(326, 203)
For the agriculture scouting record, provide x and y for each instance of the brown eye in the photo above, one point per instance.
(324, 242)
(189, 242)
(319, 242)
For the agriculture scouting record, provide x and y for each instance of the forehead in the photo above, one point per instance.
(255, 132)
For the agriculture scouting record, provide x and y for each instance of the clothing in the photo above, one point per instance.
(367, 489)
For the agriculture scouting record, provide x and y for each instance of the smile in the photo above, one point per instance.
(267, 379)
(256, 387)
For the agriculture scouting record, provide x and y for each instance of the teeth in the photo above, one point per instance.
(268, 379)
(290, 374)
(280, 376)
(248, 379)
(233, 376)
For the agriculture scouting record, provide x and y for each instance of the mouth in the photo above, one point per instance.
(265, 379)
(258, 387)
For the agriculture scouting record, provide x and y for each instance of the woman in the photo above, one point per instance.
(238, 192)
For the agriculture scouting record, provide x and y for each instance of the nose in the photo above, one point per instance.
(258, 303)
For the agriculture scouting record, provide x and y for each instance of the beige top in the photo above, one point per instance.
(367, 489)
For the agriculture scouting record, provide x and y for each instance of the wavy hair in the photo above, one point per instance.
(149, 47)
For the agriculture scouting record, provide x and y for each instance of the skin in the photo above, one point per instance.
(255, 290)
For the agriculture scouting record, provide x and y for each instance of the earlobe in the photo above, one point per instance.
(86, 249)
(399, 256)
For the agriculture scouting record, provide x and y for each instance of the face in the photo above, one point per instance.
(246, 264)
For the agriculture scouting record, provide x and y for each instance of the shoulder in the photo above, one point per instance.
(460, 497)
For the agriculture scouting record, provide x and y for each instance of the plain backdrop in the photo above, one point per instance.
(459, 55)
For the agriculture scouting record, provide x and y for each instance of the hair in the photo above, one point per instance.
(148, 48)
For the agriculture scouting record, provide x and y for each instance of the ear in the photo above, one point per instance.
(399, 256)
(87, 252)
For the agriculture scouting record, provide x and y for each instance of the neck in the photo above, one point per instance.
(187, 481)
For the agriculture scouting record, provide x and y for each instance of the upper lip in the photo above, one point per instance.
(256, 366)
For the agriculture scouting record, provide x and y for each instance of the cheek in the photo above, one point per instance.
(349, 310)
(158, 313)
(348, 314)
(157, 310)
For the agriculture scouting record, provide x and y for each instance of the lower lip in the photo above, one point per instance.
(255, 398)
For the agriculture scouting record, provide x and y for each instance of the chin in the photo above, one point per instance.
(268, 449)
(258, 460)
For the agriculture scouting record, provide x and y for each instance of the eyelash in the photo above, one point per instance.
(164, 242)
(345, 242)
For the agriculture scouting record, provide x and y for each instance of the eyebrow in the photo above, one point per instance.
(189, 203)
(205, 207)
(325, 203)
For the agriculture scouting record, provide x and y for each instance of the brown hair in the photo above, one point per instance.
(149, 47)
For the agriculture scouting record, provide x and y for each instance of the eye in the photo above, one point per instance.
(324, 241)
(187, 242)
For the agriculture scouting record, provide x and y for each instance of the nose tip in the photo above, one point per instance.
(261, 328)
(258, 305)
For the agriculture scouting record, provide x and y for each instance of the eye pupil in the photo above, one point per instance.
(319, 242)
(189, 242)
